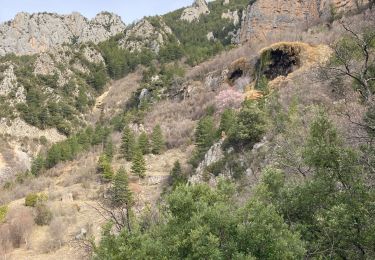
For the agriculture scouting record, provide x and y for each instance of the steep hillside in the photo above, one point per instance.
(230, 129)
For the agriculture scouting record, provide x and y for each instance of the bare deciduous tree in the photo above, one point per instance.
(354, 57)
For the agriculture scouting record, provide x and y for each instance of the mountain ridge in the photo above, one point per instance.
(32, 33)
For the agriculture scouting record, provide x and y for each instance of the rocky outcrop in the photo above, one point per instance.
(146, 35)
(9, 85)
(62, 61)
(193, 13)
(13, 160)
(265, 18)
(20, 129)
(213, 155)
(232, 15)
(92, 55)
(210, 36)
(342, 6)
(34, 33)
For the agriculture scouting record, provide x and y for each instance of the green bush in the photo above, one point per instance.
(33, 199)
(3, 213)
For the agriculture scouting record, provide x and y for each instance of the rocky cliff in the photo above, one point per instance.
(33, 33)
(146, 34)
(193, 13)
(265, 18)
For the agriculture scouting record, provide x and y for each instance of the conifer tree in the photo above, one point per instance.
(109, 149)
(120, 192)
(157, 140)
(138, 163)
(105, 168)
(128, 143)
(205, 134)
(177, 174)
(227, 121)
(37, 165)
(143, 143)
(121, 197)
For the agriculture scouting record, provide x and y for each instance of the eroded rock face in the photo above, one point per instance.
(34, 33)
(193, 13)
(213, 155)
(265, 18)
(9, 85)
(146, 35)
(343, 6)
(232, 15)
(20, 129)
(60, 61)
(13, 160)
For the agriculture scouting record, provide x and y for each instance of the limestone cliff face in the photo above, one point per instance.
(144, 34)
(34, 33)
(9, 85)
(265, 18)
(193, 13)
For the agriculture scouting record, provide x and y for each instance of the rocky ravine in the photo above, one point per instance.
(33, 33)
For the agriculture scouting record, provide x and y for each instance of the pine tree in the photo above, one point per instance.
(128, 143)
(138, 163)
(143, 143)
(205, 134)
(37, 165)
(120, 193)
(250, 126)
(53, 156)
(121, 196)
(227, 121)
(109, 149)
(177, 174)
(105, 168)
(157, 140)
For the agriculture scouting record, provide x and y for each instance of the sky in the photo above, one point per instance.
(129, 10)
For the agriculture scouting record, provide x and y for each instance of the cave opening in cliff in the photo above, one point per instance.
(281, 62)
(236, 74)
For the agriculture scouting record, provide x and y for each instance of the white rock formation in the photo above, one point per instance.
(146, 35)
(210, 36)
(93, 55)
(44, 65)
(20, 129)
(193, 13)
(233, 16)
(61, 61)
(213, 155)
(34, 33)
(10, 85)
